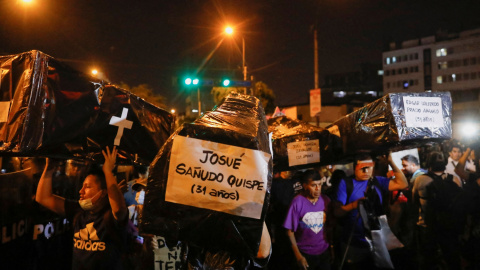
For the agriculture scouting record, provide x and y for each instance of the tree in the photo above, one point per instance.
(146, 92)
(262, 92)
(266, 96)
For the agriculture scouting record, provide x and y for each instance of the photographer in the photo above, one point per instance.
(351, 191)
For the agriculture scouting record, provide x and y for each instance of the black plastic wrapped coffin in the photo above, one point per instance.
(49, 109)
(210, 183)
(397, 120)
(297, 144)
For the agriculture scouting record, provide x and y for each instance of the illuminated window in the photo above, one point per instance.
(454, 77)
(439, 80)
(387, 60)
(442, 65)
(441, 52)
(339, 94)
(380, 72)
(394, 59)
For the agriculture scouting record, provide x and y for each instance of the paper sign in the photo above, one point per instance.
(4, 109)
(315, 102)
(165, 257)
(423, 111)
(217, 176)
(304, 152)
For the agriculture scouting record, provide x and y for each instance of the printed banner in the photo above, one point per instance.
(423, 111)
(217, 176)
(303, 152)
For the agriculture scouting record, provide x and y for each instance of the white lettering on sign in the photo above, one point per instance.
(217, 176)
(303, 152)
(423, 111)
(121, 123)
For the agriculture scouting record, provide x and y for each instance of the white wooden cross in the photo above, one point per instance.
(121, 123)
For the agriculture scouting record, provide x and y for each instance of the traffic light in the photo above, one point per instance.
(232, 83)
(193, 81)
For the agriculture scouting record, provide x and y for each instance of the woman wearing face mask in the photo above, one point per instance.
(99, 217)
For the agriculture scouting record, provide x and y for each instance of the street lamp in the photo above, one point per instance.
(229, 31)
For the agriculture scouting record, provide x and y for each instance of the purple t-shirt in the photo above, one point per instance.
(307, 221)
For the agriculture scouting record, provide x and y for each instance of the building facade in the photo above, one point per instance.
(444, 62)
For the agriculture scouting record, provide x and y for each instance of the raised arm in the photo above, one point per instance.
(115, 196)
(44, 195)
(460, 168)
(400, 181)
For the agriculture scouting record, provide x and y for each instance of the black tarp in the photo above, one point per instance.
(50, 109)
(397, 120)
(298, 145)
(237, 126)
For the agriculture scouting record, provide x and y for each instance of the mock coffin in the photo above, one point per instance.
(297, 144)
(50, 109)
(394, 121)
(210, 183)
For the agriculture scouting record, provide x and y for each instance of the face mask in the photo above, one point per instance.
(140, 197)
(87, 204)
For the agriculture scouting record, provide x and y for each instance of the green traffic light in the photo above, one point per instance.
(190, 81)
(226, 82)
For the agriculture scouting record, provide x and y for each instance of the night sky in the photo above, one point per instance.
(151, 42)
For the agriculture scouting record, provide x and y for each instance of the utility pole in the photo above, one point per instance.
(315, 56)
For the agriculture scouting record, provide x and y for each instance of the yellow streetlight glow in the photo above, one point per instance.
(27, 1)
(229, 30)
(172, 110)
(94, 71)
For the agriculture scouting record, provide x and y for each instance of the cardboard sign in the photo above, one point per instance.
(303, 152)
(423, 111)
(315, 102)
(217, 176)
(165, 257)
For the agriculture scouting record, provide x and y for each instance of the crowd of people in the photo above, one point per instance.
(432, 206)
(372, 215)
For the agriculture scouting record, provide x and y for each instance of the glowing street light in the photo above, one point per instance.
(229, 31)
(94, 72)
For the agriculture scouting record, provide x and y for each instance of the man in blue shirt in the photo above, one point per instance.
(350, 193)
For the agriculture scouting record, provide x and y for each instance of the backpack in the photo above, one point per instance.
(444, 210)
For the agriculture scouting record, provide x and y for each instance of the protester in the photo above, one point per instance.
(99, 217)
(352, 192)
(471, 236)
(306, 224)
(138, 187)
(282, 193)
(440, 220)
(454, 154)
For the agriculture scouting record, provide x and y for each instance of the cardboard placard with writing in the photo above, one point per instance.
(217, 176)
